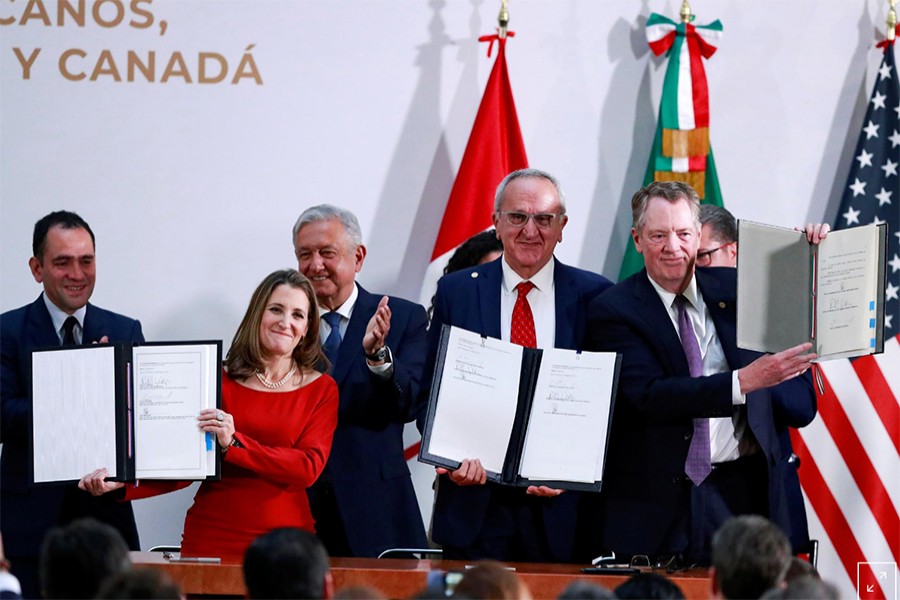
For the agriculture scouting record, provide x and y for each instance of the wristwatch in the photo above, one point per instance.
(379, 355)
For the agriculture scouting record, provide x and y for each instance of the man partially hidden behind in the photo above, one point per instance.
(64, 263)
(364, 501)
(693, 439)
(529, 298)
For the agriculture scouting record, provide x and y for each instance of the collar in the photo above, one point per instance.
(668, 298)
(542, 280)
(346, 309)
(59, 316)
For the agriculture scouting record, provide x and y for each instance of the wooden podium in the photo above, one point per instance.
(396, 578)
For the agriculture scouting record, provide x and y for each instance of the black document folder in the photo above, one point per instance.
(533, 417)
(130, 408)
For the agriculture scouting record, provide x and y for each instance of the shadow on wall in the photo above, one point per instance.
(405, 212)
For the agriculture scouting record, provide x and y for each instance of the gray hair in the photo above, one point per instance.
(537, 174)
(327, 212)
(671, 191)
(722, 222)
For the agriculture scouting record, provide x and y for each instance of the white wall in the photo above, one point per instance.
(192, 189)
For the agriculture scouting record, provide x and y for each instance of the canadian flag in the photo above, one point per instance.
(495, 149)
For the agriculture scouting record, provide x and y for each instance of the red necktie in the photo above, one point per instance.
(522, 332)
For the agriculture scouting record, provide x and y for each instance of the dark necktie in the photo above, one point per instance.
(69, 331)
(522, 330)
(698, 465)
(333, 341)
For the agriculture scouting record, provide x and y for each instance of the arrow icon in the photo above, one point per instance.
(870, 588)
(882, 575)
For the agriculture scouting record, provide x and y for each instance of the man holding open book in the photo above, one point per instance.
(693, 438)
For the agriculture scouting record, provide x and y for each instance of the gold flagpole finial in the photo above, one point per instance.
(503, 18)
(891, 20)
(685, 12)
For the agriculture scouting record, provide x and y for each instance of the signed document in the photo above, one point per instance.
(532, 417)
(131, 408)
(830, 294)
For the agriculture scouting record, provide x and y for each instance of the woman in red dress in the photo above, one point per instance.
(274, 429)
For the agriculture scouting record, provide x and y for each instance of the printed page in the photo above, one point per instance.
(566, 437)
(847, 289)
(74, 412)
(477, 401)
(171, 385)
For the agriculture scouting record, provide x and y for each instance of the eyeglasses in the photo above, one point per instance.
(705, 256)
(520, 219)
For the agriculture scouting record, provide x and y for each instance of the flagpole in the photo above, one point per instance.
(685, 12)
(891, 20)
(503, 19)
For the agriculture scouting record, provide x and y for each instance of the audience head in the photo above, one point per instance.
(480, 248)
(63, 259)
(799, 567)
(140, 584)
(529, 215)
(666, 231)
(489, 580)
(248, 348)
(585, 590)
(329, 249)
(78, 558)
(718, 237)
(750, 554)
(648, 586)
(805, 587)
(287, 563)
(359, 592)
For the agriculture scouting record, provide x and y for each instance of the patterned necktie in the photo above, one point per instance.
(522, 332)
(333, 341)
(698, 465)
(69, 331)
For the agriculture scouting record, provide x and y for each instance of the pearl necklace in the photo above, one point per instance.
(274, 386)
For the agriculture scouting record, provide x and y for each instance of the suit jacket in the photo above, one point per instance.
(645, 491)
(470, 299)
(27, 513)
(372, 485)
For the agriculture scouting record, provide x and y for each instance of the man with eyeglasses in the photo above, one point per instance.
(718, 248)
(718, 237)
(693, 438)
(529, 298)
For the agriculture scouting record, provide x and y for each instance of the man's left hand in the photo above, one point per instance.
(543, 491)
(815, 232)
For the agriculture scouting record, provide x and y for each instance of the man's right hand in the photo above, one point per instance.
(95, 483)
(772, 369)
(470, 472)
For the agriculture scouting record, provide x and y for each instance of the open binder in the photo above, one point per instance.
(131, 408)
(830, 294)
(533, 417)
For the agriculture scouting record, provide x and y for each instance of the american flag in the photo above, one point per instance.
(850, 454)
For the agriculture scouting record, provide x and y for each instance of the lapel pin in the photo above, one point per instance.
(474, 275)
(721, 305)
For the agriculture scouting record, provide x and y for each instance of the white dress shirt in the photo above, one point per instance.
(58, 316)
(541, 299)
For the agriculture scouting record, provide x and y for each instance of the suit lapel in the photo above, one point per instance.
(488, 286)
(650, 308)
(39, 330)
(566, 306)
(94, 326)
(721, 305)
(351, 346)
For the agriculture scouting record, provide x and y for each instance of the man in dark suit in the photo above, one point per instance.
(63, 262)
(693, 439)
(364, 501)
(474, 519)
(719, 248)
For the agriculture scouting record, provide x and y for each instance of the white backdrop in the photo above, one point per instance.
(192, 188)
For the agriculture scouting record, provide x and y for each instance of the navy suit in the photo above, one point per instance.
(470, 299)
(646, 495)
(375, 497)
(28, 513)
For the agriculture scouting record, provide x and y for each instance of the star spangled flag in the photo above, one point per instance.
(495, 149)
(850, 454)
(681, 149)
